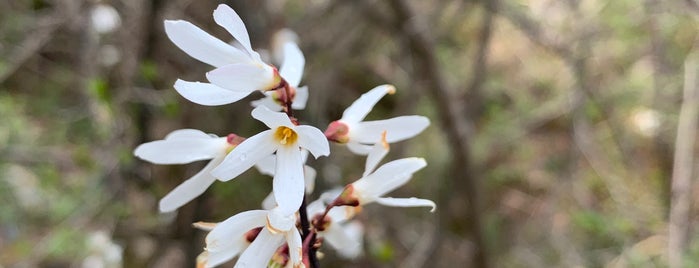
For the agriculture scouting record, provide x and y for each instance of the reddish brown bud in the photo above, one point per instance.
(347, 197)
(320, 222)
(234, 140)
(338, 132)
(252, 234)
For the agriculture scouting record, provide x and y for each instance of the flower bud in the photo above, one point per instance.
(338, 132)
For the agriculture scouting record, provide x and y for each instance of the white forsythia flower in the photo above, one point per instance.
(186, 146)
(343, 235)
(375, 183)
(287, 140)
(240, 70)
(361, 135)
(292, 71)
(233, 236)
(268, 165)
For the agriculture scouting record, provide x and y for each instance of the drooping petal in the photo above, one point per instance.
(201, 45)
(261, 250)
(293, 240)
(407, 202)
(268, 101)
(180, 151)
(309, 179)
(387, 178)
(246, 77)
(397, 129)
(228, 239)
(300, 99)
(313, 140)
(377, 153)
(358, 148)
(188, 133)
(191, 188)
(227, 18)
(271, 119)
(207, 94)
(245, 155)
(288, 184)
(362, 106)
(345, 238)
(292, 67)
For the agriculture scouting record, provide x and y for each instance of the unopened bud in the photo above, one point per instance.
(338, 132)
(347, 197)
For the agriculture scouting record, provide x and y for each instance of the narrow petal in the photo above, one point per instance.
(271, 119)
(245, 155)
(358, 148)
(269, 202)
(227, 18)
(377, 153)
(397, 129)
(387, 178)
(267, 165)
(293, 240)
(407, 202)
(231, 232)
(188, 133)
(191, 188)
(207, 94)
(345, 238)
(313, 140)
(362, 106)
(245, 77)
(288, 185)
(309, 179)
(201, 45)
(292, 67)
(261, 250)
(267, 101)
(180, 151)
(300, 99)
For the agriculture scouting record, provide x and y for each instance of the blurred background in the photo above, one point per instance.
(563, 132)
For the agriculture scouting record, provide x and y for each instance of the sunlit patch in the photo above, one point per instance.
(285, 135)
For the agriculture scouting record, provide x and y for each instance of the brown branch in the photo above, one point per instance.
(455, 127)
(683, 161)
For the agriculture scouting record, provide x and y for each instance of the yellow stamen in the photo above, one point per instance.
(285, 135)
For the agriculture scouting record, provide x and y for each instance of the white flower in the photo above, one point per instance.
(375, 183)
(361, 135)
(268, 165)
(287, 140)
(292, 71)
(186, 146)
(232, 236)
(240, 70)
(105, 19)
(345, 237)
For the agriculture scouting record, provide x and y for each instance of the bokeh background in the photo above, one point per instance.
(563, 132)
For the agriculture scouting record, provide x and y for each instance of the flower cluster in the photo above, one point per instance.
(278, 235)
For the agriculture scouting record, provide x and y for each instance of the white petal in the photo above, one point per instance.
(406, 202)
(180, 151)
(280, 221)
(293, 240)
(227, 18)
(201, 45)
(300, 99)
(315, 207)
(243, 77)
(188, 133)
(309, 179)
(387, 178)
(261, 250)
(269, 202)
(191, 188)
(313, 140)
(378, 152)
(207, 94)
(245, 155)
(397, 129)
(273, 120)
(231, 232)
(267, 101)
(288, 184)
(267, 165)
(362, 106)
(292, 67)
(358, 148)
(345, 238)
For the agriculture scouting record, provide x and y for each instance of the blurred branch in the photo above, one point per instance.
(422, 47)
(478, 70)
(684, 159)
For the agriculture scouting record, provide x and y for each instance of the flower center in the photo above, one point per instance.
(285, 135)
